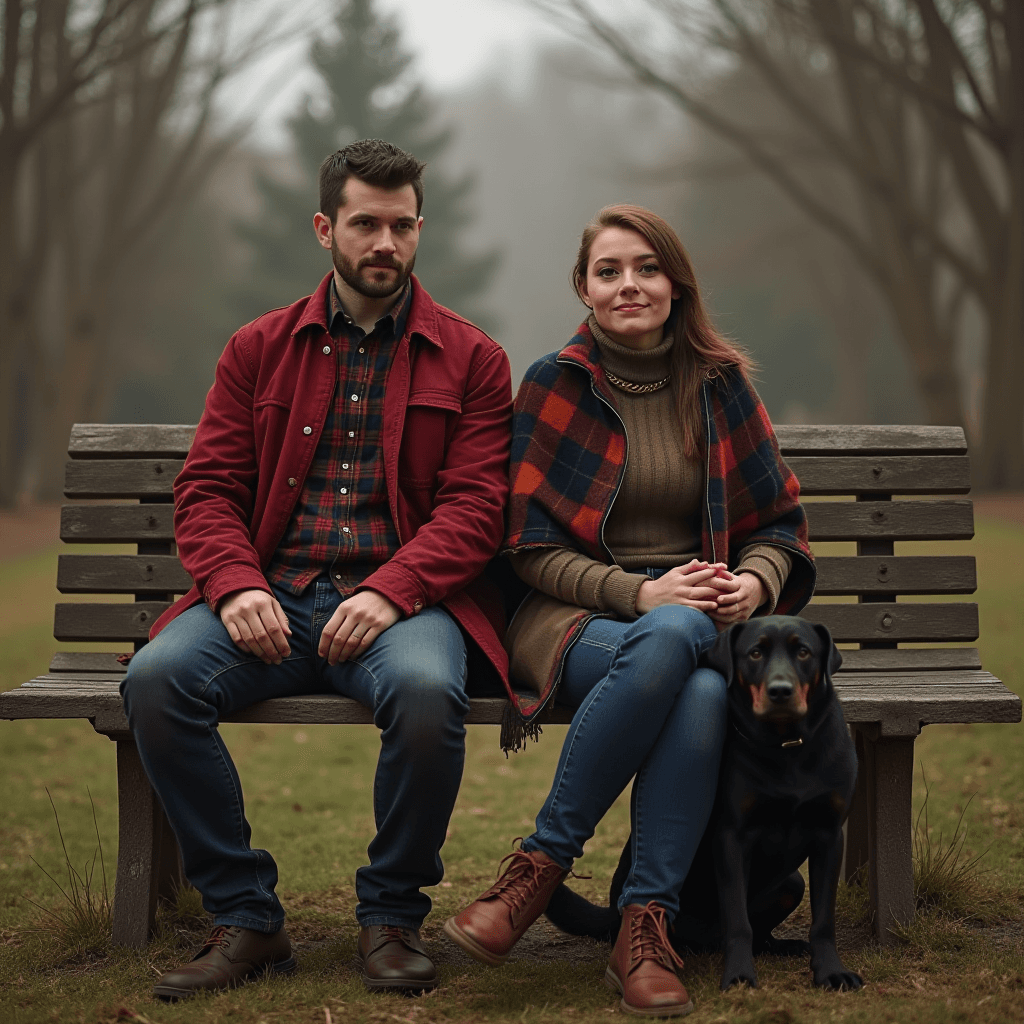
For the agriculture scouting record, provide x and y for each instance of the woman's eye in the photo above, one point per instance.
(606, 272)
(650, 268)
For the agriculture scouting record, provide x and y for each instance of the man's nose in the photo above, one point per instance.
(385, 242)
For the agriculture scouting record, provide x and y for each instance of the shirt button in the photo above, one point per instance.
(362, 350)
(345, 529)
(337, 575)
(327, 352)
(351, 433)
(292, 481)
(355, 398)
(307, 430)
(344, 490)
(344, 465)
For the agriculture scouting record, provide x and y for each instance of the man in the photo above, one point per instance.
(344, 491)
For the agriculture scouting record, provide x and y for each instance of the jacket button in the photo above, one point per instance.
(307, 430)
(417, 607)
(327, 350)
(292, 481)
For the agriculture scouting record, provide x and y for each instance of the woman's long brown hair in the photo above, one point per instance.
(699, 349)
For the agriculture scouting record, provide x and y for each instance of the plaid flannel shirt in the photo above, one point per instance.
(342, 524)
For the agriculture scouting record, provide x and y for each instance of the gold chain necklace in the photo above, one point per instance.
(636, 389)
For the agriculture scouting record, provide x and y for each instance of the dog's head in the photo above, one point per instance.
(777, 666)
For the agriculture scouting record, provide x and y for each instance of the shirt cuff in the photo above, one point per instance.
(619, 592)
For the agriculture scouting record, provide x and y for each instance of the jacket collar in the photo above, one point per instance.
(582, 351)
(422, 318)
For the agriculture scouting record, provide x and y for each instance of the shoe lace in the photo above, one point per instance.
(395, 933)
(220, 936)
(521, 879)
(648, 938)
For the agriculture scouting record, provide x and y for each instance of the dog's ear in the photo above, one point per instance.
(720, 656)
(833, 656)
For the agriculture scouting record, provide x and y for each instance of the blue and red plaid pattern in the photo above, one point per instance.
(342, 523)
(569, 454)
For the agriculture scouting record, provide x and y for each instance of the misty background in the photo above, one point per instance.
(169, 196)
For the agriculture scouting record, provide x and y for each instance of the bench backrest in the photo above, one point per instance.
(120, 478)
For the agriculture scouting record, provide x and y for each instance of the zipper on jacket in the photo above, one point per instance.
(625, 455)
(707, 467)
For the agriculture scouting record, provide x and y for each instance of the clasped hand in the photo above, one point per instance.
(257, 624)
(707, 586)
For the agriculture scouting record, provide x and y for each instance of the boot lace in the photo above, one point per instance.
(521, 880)
(648, 938)
(220, 936)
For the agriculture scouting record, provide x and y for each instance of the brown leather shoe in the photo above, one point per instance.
(394, 958)
(490, 926)
(643, 965)
(231, 957)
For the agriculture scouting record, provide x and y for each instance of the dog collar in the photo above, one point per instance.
(798, 742)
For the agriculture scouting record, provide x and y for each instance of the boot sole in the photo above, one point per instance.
(169, 994)
(471, 946)
(679, 1010)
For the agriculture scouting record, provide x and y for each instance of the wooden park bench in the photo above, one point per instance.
(888, 691)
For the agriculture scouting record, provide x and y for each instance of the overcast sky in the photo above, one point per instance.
(454, 41)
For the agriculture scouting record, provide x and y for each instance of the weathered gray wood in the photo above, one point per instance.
(130, 440)
(843, 439)
(116, 524)
(905, 574)
(86, 661)
(120, 478)
(121, 574)
(900, 701)
(140, 821)
(895, 520)
(910, 659)
(904, 623)
(890, 854)
(107, 622)
(901, 474)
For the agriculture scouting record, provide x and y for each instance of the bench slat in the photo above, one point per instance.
(116, 524)
(130, 440)
(120, 478)
(890, 520)
(843, 439)
(906, 574)
(86, 661)
(121, 574)
(108, 622)
(906, 474)
(905, 699)
(907, 623)
(910, 659)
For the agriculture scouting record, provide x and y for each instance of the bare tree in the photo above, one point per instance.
(106, 128)
(906, 143)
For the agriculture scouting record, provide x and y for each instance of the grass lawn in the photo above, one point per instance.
(308, 796)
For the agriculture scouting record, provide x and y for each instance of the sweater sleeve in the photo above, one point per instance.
(771, 565)
(578, 579)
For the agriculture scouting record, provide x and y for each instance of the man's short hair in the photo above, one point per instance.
(374, 161)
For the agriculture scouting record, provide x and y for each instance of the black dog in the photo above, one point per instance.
(787, 778)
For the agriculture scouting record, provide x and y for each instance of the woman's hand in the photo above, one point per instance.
(741, 603)
(698, 585)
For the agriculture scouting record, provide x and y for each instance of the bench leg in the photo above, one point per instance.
(148, 862)
(855, 858)
(890, 778)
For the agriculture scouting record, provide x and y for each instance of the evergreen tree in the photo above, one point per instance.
(367, 98)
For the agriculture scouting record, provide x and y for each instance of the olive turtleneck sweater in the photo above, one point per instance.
(655, 519)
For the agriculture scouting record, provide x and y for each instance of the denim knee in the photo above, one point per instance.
(152, 685)
(671, 638)
(422, 702)
(707, 702)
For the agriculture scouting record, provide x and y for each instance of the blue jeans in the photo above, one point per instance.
(413, 677)
(644, 709)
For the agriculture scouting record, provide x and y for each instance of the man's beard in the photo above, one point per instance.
(351, 273)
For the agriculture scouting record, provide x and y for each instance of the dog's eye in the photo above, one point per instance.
(755, 654)
(803, 654)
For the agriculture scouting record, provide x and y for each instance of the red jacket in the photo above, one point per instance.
(447, 429)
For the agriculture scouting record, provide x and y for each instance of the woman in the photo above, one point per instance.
(650, 508)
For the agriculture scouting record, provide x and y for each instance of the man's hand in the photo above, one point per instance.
(741, 603)
(355, 624)
(257, 623)
(696, 585)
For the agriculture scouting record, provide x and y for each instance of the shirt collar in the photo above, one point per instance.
(391, 323)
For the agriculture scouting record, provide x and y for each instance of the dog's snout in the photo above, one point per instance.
(779, 690)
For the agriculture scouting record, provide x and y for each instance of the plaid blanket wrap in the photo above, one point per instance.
(568, 458)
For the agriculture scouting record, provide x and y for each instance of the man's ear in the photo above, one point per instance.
(834, 658)
(720, 655)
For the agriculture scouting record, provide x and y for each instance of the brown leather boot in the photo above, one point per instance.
(394, 958)
(643, 963)
(490, 926)
(231, 957)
